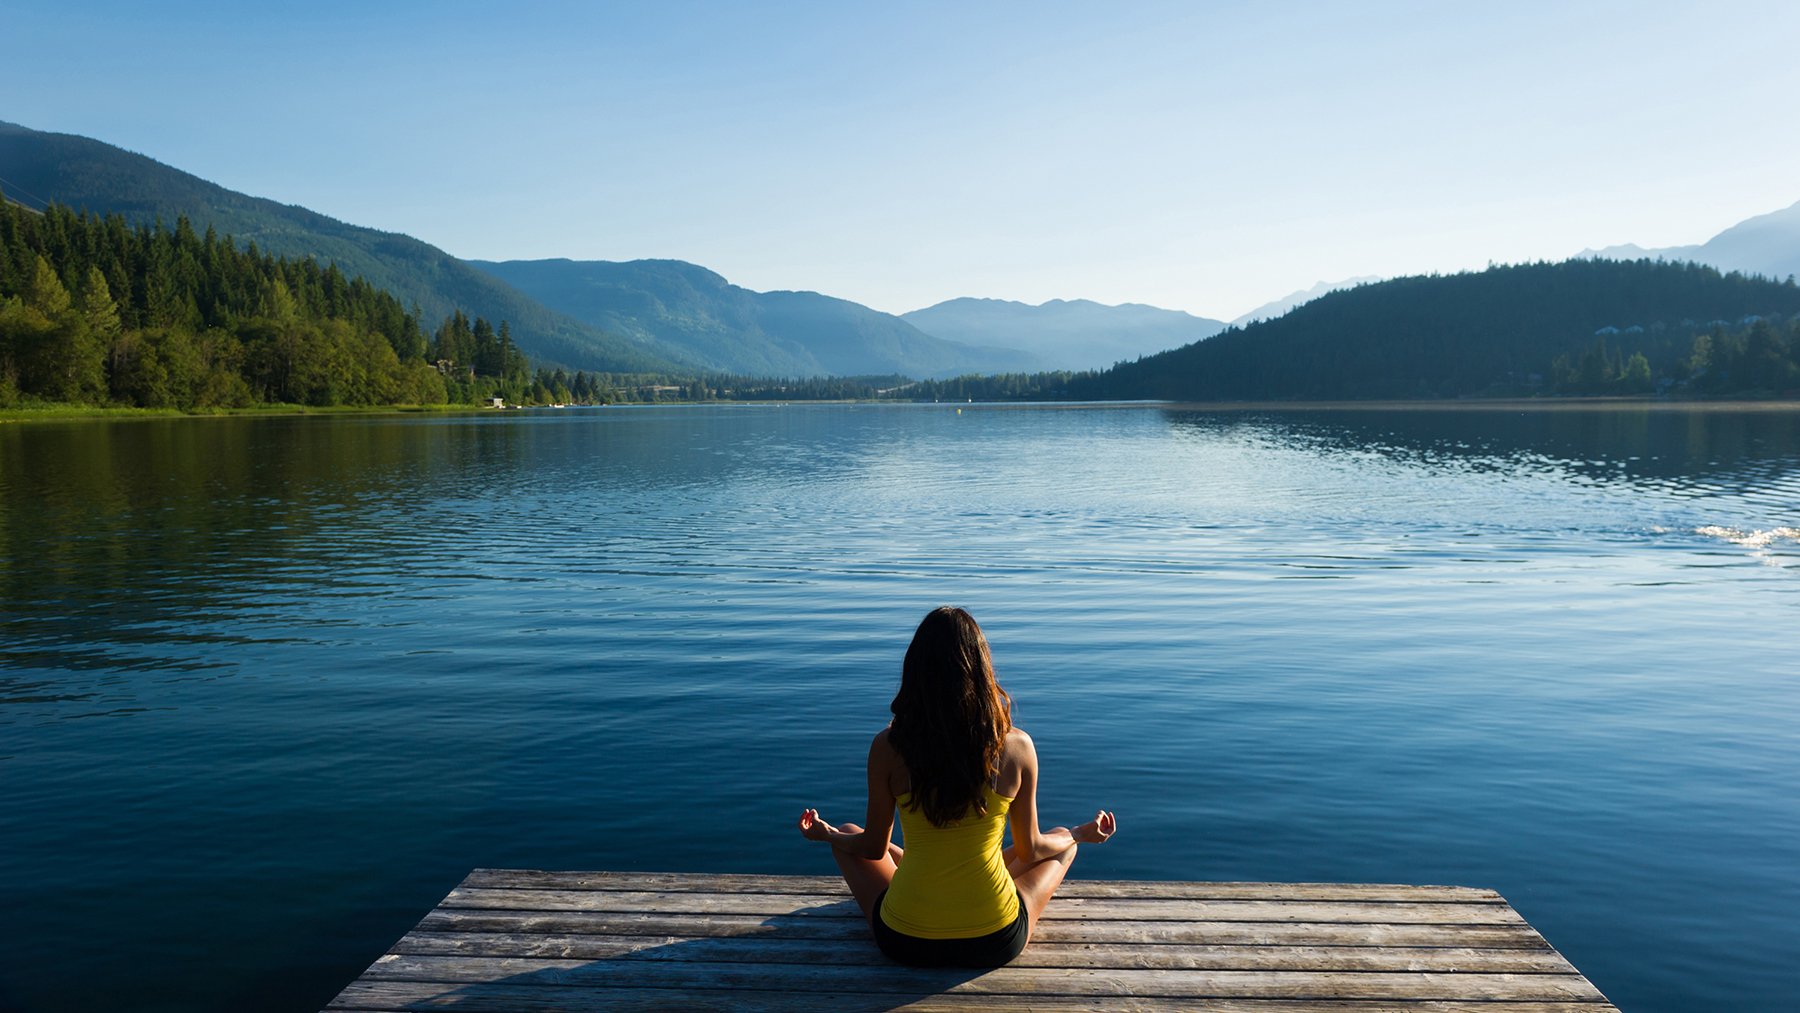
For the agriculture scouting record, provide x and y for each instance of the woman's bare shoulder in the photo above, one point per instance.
(887, 765)
(1018, 746)
(883, 746)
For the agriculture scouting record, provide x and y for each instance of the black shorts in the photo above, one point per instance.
(991, 950)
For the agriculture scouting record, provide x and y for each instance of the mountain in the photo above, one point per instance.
(1271, 310)
(1451, 335)
(1075, 334)
(1766, 244)
(685, 311)
(37, 167)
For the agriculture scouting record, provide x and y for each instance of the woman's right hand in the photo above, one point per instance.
(1097, 830)
(813, 828)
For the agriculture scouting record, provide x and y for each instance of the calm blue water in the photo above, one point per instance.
(270, 687)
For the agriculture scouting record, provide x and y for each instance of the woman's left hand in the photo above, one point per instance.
(1097, 830)
(813, 828)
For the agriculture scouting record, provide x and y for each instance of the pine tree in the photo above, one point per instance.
(44, 292)
(98, 308)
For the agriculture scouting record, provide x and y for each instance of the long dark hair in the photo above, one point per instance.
(950, 717)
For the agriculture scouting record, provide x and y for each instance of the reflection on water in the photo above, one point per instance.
(274, 685)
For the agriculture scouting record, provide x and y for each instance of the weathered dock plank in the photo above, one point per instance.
(858, 952)
(678, 882)
(1070, 908)
(1125, 931)
(521, 940)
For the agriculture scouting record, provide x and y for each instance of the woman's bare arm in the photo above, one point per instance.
(871, 840)
(1031, 845)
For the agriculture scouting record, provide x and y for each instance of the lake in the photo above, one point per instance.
(269, 687)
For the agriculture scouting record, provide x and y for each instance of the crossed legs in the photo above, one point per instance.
(867, 878)
(1037, 881)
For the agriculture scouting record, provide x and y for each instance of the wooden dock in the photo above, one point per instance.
(513, 941)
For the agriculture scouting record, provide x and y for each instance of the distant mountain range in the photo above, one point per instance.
(647, 316)
(1766, 244)
(686, 312)
(666, 316)
(1073, 334)
(635, 317)
(37, 167)
(1271, 310)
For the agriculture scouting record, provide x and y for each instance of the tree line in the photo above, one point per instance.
(646, 388)
(96, 311)
(1756, 355)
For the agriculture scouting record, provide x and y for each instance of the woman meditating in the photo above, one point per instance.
(956, 769)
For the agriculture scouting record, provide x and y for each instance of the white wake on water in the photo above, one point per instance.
(1759, 540)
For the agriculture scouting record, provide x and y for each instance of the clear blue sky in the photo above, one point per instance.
(1205, 157)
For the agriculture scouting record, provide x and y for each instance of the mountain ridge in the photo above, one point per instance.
(1766, 244)
(687, 310)
(83, 172)
(1279, 307)
(1064, 333)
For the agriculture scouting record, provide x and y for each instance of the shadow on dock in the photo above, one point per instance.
(772, 958)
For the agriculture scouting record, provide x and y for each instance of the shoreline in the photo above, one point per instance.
(1496, 404)
(88, 413)
(70, 413)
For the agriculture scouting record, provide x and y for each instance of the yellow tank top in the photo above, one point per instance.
(952, 884)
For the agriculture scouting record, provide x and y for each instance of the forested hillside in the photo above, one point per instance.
(1577, 327)
(690, 313)
(87, 174)
(96, 311)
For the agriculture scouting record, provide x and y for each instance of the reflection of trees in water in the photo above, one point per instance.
(148, 531)
(1717, 449)
(189, 531)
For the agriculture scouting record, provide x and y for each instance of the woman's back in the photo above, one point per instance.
(954, 882)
